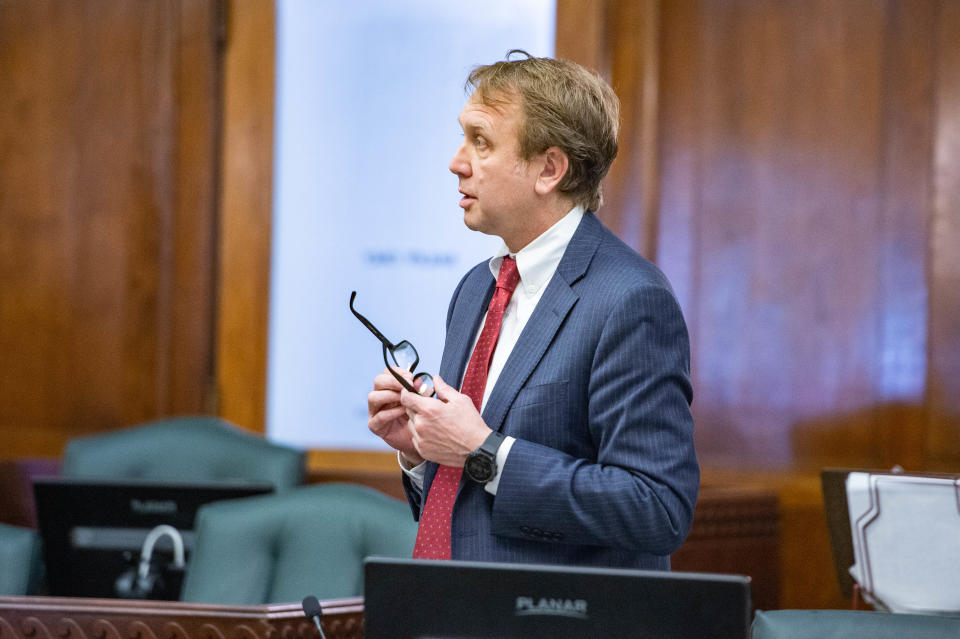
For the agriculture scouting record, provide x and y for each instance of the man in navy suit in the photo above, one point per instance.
(581, 451)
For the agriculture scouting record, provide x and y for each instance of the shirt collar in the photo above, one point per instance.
(537, 261)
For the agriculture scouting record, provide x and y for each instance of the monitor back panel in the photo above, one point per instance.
(448, 599)
(94, 530)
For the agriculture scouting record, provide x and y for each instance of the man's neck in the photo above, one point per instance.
(538, 223)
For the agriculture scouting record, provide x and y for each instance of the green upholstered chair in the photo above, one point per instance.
(283, 547)
(194, 448)
(847, 624)
(20, 560)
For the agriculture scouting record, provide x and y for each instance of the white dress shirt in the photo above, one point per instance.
(536, 263)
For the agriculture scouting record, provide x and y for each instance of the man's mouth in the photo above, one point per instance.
(467, 199)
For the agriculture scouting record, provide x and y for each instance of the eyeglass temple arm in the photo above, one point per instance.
(370, 327)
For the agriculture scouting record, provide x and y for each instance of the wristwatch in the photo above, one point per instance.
(481, 464)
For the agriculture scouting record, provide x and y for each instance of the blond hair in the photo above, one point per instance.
(563, 105)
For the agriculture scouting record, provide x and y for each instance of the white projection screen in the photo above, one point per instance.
(368, 95)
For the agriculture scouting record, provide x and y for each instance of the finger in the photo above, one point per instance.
(386, 381)
(382, 421)
(412, 401)
(444, 391)
(377, 400)
(389, 413)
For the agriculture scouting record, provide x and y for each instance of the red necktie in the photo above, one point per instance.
(433, 535)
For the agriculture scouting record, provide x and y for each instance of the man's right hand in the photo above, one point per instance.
(388, 419)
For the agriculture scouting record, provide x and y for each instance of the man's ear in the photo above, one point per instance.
(555, 166)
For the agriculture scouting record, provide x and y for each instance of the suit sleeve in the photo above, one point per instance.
(640, 491)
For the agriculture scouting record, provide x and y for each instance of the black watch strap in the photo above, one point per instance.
(481, 464)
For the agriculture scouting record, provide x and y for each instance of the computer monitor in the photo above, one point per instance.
(418, 599)
(93, 531)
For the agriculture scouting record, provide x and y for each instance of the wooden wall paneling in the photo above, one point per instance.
(889, 429)
(809, 212)
(581, 33)
(788, 290)
(631, 188)
(943, 350)
(679, 121)
(905, 168)
(191, 369)
(89, 185)
(246, 199)
(33, 194)
(145, 245)
(619, 40)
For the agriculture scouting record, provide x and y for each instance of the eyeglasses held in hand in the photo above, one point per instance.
(402, 355)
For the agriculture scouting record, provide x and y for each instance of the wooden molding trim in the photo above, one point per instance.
(364, 460)
(78, 618)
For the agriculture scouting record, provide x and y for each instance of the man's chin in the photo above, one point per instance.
(472, 220)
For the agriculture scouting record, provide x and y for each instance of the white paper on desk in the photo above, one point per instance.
(906, 541)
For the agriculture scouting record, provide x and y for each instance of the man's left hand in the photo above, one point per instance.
(446, 429)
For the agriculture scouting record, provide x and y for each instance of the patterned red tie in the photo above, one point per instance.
(433, 535)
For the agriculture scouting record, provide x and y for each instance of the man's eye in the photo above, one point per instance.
(480, 140)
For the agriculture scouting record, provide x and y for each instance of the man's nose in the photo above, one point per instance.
(459, 165)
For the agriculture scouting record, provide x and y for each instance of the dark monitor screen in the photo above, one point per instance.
(93, 531)
(417, 599)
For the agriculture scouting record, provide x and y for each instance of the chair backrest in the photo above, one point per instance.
(281, 548)
(907, 566)
(20, 560)
(844, 624)
(193, 448)
(905, 529)
(833, 484)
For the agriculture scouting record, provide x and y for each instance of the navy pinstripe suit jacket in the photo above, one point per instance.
(597, 394)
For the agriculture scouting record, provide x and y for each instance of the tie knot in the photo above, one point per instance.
(509, 275)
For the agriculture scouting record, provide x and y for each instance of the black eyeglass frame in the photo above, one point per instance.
(388, 351)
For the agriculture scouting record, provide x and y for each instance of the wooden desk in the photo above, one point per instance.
(736, 530)
(736, 527)
(78, 618)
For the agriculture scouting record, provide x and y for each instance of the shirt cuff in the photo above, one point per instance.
(416, 473)
(491, 486)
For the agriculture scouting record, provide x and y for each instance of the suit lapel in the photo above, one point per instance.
(551, 310)
(537, 335)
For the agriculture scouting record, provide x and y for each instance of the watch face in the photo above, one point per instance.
(478, 468)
